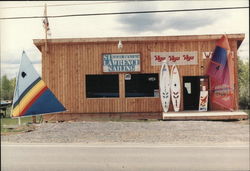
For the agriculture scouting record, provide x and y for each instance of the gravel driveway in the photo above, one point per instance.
(164, 132)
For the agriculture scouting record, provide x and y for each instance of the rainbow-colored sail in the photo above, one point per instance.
(32, 96)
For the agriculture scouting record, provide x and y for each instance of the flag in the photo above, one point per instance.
(46, 21)
(220, 71)
(32, 96)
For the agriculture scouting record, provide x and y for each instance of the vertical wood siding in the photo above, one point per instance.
(65, 67)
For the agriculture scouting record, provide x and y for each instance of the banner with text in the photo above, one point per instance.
(177, 58)
(121, 62)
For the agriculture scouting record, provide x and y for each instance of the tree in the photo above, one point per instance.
(13, 85)
(5, 85)
(7, 88)
(243, 73)
(0, 88)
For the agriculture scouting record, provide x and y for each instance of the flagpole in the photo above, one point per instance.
(46, 42)
(46, 28)
(46, 36)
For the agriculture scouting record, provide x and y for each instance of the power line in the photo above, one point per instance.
(122, 13)
(58, 5)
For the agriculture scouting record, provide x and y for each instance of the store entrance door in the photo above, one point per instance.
(192, 85)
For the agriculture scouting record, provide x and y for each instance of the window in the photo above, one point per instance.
(102, 86)
(142, 85)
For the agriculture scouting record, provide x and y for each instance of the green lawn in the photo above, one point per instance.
(14, 121)
(9, 124)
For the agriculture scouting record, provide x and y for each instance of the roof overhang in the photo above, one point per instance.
(238, 37)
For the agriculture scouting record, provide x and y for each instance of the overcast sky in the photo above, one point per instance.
(18, 35)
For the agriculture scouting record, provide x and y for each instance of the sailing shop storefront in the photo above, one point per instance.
(118, 77)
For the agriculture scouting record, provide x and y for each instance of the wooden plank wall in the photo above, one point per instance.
(65, 66)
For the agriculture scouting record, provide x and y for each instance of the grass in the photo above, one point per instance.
(14, 121)
(10, 125)
(18, 129)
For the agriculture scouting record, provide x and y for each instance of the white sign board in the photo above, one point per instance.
(203, 101)
(177, 58)
(129, 62)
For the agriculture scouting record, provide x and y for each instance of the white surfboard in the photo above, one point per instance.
(175, 88)
(165, 87)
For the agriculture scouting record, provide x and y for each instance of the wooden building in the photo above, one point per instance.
(92, 77)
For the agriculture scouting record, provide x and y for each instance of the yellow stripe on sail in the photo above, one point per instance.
(27, 98)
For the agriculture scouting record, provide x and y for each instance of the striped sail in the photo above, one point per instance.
(32, 96)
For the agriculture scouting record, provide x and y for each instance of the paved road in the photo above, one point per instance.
(74, 157)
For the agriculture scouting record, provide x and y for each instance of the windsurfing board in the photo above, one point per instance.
(175, 88)
(165, 87)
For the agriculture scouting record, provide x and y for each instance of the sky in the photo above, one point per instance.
(18, 35)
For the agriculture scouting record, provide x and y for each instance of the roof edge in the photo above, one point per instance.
(40, 42)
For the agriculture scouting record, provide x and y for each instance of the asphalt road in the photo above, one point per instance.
(74, 157)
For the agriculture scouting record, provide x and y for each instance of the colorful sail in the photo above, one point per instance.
(218, 63)
(219, 71)
(32, 96)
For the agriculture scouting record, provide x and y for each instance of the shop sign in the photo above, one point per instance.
(129, 62)
(177, 58)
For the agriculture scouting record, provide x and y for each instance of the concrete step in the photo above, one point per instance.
(210, 115)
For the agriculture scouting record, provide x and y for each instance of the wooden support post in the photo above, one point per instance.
(19, 121)
(33, 119)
